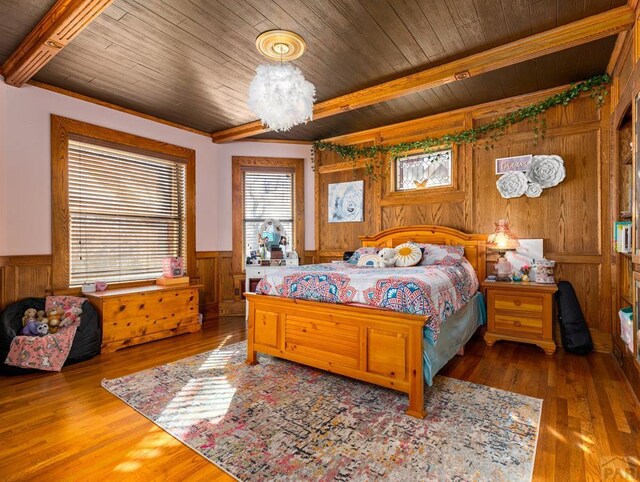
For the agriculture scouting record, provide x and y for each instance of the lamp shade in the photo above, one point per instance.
(502, 239)
(281, 97)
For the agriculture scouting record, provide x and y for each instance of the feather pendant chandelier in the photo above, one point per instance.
(279, 94)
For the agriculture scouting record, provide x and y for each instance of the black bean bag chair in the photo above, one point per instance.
(86, 343)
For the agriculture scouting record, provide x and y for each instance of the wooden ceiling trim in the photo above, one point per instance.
(615, 55)
(550, 41)
(119, 108)
(486, 110)
(65, 20)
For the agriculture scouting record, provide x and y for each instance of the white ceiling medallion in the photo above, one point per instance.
(279, 94)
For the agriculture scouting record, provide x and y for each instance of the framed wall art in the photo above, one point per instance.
(346, 202)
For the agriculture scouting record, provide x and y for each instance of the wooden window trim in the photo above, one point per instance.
(451, 193)
(61, 129)
(242, 164)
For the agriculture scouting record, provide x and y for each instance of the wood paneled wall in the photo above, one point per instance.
(626, 86)
(572, 218)
(23, 277)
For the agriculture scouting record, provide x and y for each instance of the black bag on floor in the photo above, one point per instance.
(573, 329)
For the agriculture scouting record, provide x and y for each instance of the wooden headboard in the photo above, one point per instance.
(474, 244)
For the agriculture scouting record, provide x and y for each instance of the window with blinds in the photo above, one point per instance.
(127, 212)
(267, 194)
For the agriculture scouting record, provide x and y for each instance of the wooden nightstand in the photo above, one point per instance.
(520, 312)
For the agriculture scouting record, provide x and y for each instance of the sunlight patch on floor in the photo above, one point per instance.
(206, 399)
(150, 447)
(217, 359)
(558, 435)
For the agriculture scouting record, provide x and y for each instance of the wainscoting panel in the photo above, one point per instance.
(27, 276)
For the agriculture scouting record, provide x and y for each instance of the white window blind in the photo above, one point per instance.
(267, 194)
(127, 213)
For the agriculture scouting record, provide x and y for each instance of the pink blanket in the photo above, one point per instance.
(47, 352)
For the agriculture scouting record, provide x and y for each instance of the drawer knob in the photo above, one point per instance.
(517, 302)
(517, 323)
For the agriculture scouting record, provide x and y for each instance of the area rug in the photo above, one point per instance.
(283, 421)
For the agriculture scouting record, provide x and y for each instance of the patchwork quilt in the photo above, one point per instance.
(433, 291)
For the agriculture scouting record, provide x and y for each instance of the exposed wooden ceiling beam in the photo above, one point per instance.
(560, 38)
(65, 20)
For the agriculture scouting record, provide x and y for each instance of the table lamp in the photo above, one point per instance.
(502, 240)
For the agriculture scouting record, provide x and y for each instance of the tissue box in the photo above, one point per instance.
(172, 267)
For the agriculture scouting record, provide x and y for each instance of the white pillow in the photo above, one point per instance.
(409, 254)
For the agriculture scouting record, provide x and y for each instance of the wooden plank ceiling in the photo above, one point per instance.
(191, 61)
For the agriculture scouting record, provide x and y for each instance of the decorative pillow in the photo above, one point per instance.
(442, 255)
(361, 252)
(370, 260)
(409, 254)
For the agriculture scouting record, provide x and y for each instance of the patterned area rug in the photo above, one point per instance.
(283, 421)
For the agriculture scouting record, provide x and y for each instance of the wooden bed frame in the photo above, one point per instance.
(376, 346)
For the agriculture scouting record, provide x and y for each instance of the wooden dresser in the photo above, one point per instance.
(131, 316)
(520, 312)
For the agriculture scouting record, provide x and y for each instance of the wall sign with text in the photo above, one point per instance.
(511, 164)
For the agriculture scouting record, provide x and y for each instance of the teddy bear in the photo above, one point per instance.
(385, 258)
(70, 316)
(29, 314)
(388, 256)
(40, 315)
(53, 320)
(35, 328)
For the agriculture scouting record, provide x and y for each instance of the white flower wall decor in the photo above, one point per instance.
(548, 171)
(545, 171)
(512, 184)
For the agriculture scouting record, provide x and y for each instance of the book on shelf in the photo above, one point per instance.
(622, 236)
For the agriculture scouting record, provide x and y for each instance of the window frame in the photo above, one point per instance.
(452, 193)
(240, 165)
(419, 154)
(61, 129)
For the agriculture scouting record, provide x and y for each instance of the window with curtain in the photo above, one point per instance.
(267, 194)
(127, 212)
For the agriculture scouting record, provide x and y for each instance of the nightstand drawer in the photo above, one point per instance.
(519, 324)
(532, 304)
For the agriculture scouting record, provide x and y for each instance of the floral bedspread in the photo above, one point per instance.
(433, 291)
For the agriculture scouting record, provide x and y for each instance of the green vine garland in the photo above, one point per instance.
(487, 133)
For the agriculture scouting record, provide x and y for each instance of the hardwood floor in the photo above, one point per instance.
(65, 426)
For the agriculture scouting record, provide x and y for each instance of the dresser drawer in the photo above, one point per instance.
(253, 273)
(518, 324)
(528, 303)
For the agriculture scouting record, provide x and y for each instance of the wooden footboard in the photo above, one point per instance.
(376, 346)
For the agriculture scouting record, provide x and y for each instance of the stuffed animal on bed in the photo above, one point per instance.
(385, 258)
(388, 256)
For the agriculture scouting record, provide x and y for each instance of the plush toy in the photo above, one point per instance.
(71, 316)
(388, 256)
(54, 320)
(42, 328)
(29, 314)
(35, 328)
(40, 315)
(53, 325)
